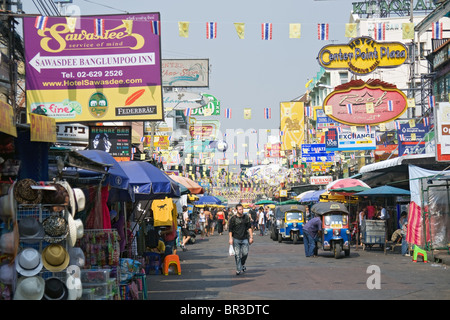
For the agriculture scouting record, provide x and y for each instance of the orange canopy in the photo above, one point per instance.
(192, 186)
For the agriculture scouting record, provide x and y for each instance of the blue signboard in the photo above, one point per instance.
(316, 152)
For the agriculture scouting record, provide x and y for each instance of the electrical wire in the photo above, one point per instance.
(103, 5)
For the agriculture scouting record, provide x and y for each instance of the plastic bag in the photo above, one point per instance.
(231, 250)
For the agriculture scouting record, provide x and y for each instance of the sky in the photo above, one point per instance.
(244, 73)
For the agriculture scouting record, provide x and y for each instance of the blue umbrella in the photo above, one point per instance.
(313, 196)
(148, 182)
(208, 200)
(117, 178)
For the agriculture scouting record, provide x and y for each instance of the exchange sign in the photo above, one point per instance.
(94, 68)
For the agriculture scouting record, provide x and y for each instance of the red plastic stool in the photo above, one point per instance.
(169, 260)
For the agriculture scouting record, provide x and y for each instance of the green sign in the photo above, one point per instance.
(211, 109)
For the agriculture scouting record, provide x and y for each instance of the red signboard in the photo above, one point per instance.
(361, 103)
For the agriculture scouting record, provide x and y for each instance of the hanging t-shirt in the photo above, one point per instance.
(163, 212)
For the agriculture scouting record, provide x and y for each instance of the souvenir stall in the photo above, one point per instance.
(38, 229)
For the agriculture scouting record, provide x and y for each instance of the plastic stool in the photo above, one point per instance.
(420, 252)
(169, 260)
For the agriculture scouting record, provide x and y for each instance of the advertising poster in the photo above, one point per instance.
(346, 140)
(442, 116)
(409, 137)
(94, 68)
(292, 118)
(114, 140)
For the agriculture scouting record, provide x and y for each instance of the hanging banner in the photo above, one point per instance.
(7, 119)
(362, 55)
(101, 68)
(42, 128)
(292, 118)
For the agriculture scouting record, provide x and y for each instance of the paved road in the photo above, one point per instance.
(281, 271)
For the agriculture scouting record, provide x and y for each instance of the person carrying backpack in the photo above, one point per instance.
(240, 237)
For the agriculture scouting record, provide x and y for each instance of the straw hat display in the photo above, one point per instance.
(55, 289)
(24, 194)
(30, 288)
(76, 230)
(28, 262)
(30, 230)
(56, 229)
(55, 257)
(8, 207)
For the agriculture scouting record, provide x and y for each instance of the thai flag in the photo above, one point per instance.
(322, 31)
(266, 31)
(378, 138)
(281, 133)
(368, 130)
(431, 101)
(308, 111)
(349, 108)
(437, 30)
(352, 156)
(155, 25)
(187, 112)
(211, 30)
(390, 105)
(267, 113)
(99, 26)
(142, 139)
(41, 22)
(228, 113)
(426, 122)
(397, 125)
(402, 137)
(379, 31)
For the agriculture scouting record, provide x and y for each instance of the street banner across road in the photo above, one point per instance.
(94, 68)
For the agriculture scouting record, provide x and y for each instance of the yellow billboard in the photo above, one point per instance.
(292, 117)
(363, 55)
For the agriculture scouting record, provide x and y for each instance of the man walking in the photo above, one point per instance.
(311, 230)
(240, 237)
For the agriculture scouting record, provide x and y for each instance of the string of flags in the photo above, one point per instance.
(323, 29)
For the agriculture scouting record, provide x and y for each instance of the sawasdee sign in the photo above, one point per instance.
(362, 55)
(94, 68)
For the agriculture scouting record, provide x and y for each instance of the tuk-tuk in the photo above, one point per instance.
(290, 227)
(335, 229)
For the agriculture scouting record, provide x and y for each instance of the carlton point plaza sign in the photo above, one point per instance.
(363, 55)
(392, 6)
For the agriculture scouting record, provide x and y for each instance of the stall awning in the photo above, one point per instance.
(394, 162)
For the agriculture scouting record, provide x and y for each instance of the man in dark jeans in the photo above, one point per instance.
(311, 230)
(240, 237)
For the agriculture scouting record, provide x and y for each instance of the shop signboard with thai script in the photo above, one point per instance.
(7, 124)
(316, 152)
(94, 68)
(346, 140)
(360, 103)
(42, 128)
(363, 55)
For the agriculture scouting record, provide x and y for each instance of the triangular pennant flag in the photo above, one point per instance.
(71, 23)
(322, 31)
(155, 25)
(266, 31)
(350, 30)
(247, 113)
(240, 29)
(128, 26)
(211, 30)
(294, 30)
(183, 29)
(408, 31)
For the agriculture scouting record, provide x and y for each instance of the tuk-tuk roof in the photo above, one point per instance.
(280, 210)
(321, 208)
